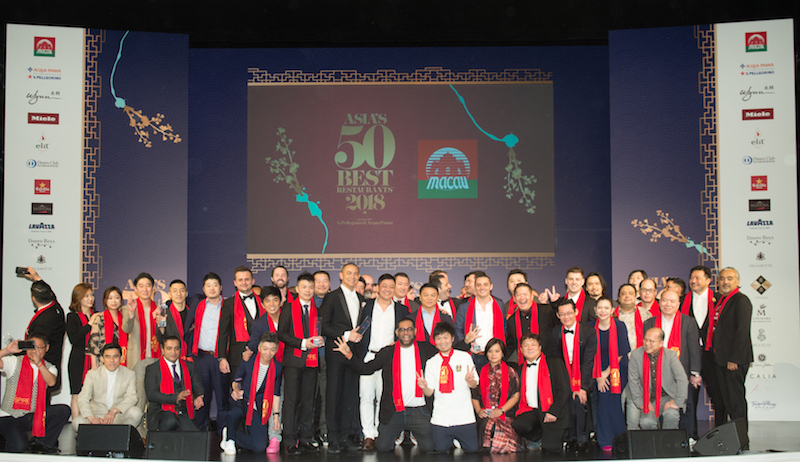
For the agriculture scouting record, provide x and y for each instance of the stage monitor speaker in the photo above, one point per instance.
(651, 444)
(726, 440)
(109, 441)
(178, 445)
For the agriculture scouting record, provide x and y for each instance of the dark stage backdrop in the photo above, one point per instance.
(219, 173)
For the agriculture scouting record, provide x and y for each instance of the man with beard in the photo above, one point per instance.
(280, 280)
(449, 305)
(584, 304)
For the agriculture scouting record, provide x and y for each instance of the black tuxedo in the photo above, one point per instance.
(443, 317)
(51, 323)
(400, 312)
(152, 386)
(227, 346)
(342, 386)
(292, 344)
(172, 328)
(531, 424)
(547, 320)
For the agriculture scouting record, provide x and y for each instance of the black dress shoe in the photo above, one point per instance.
(38, 448)
(293, 451)
(334, 448)
(583, 447)
(307, 447)
(572, 446)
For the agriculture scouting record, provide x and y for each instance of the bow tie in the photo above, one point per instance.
(533, 364)
(245, 297)
(569, 331)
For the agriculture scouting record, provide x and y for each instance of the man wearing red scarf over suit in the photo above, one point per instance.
(575, 343)
(726, 335)
(236, 320)
(24, 406)
(49, 318)
(174, 390)
(482, 313)
(584, 304)
(299, 330)
(657, 384)
(543, 411)
(681, 335)
(442, 282)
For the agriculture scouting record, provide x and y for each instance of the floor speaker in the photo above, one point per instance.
(109, 441)
(726, 440)
(651, 444)
(178, 445)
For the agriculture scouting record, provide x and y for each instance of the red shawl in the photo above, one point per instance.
(24, 395)
(503, 387)
(497, 319)
(646, 382)
(108, 333)
(397, 386)
(544, 387)
(534, 328)
(713, 314)
(168, 386)
(613, 356)
(269, 392)
(240, 320)
(154, 346)
(573, 369)
(198, 323)
(312, 360)
(674, 341)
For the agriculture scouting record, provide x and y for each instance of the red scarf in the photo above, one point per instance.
(712, 314)
(269, 392)
(674, 341)
(573, 369)
(437, 318)
(24, 395)
(240, 320)
(637, 322)
(579, 304)
(613, 356)
(312, 360)
(168, 386)
(655, 310)
(36, 315)
(446, 378)
(452, 307)
(154, 346)
(513, 306)
(534, 327)
(198, 323)
(397, 386)
(289, 296)
(87, 359)
(406, 302)
(271, 327)
(545, 388)
(176, 316)
(503, 387)
(108, 333)
(497, 319)
(687, 303)
(646, 383)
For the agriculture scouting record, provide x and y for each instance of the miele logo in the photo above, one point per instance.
(41, 118)
(757, 114)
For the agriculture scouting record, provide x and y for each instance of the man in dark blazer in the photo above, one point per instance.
(48, 319)
(403, 293)
(584, 304)
(545, 318)
(172, 411)
(297, 329)
(495, 309)
(340, 312)
(688, 348)
(697, 303)
(429, 309)
(415, 414)
(728, 337)
(229, 347)
(451, 305)
(175, 326)
(535, 425)
(580, 417)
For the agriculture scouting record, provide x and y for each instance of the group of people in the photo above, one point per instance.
(370, 364)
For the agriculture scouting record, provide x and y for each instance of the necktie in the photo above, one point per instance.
(175, 377)
(306, 327)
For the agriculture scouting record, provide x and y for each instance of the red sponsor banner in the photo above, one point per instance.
(757, 114)
(758, 182)
(42, 118)
(41, 186)
(44, 46)
(755, 41)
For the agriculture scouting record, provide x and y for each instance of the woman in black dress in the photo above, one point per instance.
(81, 314)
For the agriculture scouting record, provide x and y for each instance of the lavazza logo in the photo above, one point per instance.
(763, 224)
(757, 114)
(41, 227)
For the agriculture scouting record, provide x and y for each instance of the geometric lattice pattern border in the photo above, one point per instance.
(426, 75)
(707, 87)
(90, 262)
(393, 264)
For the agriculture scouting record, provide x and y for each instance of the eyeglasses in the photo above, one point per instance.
(403, 330)
(647, 291)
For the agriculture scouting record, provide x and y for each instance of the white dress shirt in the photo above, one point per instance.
(532, 384)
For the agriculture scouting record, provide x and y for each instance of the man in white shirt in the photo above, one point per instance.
(24, 407)
(448, 377)
(482, 314)
(108, 395)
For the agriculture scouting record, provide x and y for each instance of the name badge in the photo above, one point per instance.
(458, 367)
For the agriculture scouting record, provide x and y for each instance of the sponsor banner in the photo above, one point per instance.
(43, 145)
(757, 165)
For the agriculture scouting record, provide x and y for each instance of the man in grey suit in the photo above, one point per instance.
(665, 402)
(108, 395)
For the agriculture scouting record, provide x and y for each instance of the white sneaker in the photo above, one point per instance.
(692, 442)
(224, 438)
(400, 439)
(230, 448)
(457, 444)
(413, 440)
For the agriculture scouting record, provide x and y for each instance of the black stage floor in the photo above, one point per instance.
(765, 437)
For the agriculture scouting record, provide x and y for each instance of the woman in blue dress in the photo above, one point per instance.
(610, 372)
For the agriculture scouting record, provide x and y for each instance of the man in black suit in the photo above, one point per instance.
(540, 417)
(579, 368)
(403, 409)
(384, 314)
(340, 312)
(428, 313)
(449, 305)
(173, 397)
(697, 303)
(685, 343)
(175, 317)
(584, 304)
(521, 318)
(236, 320)
(298, 330)
(49, 319)
(727, 336)
(403, 293)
